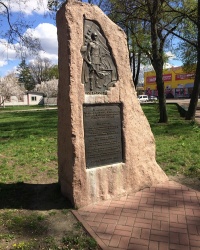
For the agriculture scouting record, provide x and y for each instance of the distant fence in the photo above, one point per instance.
(50, 101)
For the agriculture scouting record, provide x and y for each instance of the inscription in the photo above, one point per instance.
(103, 136)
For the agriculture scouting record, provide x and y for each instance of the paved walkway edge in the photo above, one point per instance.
(162, 217)
(89, 230)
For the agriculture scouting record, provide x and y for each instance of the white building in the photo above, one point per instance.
(29, 98)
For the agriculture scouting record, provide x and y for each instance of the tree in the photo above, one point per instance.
(49, 88)
(135, 62)
(36, 72)
(13, 29)
(9, 86)
(135, 54)
(42, 70)
(150, 26)
(196, 89)
(53, 72)
(189, 33)
(54, 5)
(24, 75)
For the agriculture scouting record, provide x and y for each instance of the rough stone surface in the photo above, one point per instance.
(139, 170)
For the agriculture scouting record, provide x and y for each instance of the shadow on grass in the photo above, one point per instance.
(176, 126)
(32, 196)
(24, 124)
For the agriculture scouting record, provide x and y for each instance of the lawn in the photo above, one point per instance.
(33, 213)
(28, 146)
(21, 107)
(177, 142)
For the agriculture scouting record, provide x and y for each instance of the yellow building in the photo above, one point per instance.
(177, 83)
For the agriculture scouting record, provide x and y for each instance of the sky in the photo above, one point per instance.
(43, 28)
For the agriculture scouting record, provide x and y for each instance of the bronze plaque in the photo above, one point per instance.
(103, 134)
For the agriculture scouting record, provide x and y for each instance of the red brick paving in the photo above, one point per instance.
(166, 216)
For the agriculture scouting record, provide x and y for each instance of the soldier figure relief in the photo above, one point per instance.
(99, 71)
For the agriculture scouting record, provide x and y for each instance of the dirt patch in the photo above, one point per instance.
(37, 216)
(193, 183)
(26, 229)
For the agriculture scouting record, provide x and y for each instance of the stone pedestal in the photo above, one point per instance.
(105, 144)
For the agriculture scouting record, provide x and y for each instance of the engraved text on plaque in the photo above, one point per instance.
(103, 134)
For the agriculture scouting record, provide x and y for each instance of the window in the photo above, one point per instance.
(33, 98)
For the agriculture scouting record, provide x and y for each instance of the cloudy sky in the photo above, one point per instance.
(43, 28)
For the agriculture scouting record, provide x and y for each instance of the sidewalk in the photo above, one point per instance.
(163, 217)
(197, 116)
(184, 104)
(166, 216)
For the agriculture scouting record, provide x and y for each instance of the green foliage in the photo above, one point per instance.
(24, 245)
(187, 52)
(188, 31)
(52, 72)
(37, 72)
(19, 223)
(24, 75)
(54, 5)
(7, 237)
(79, 242)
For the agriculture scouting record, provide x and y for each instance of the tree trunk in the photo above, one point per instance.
(190, 115)
(157, 43)
(161, 96)
(136, 79)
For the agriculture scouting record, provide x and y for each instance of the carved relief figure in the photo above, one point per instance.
(99, 71)
(94, 61)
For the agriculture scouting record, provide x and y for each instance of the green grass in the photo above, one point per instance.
(32, 228)
(28, 156)
(177, 142)
(79, 242)
(28, 145)
(16, 108)
(19, 223)
(28, 180)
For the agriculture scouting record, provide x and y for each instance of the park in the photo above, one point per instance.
(98, 168)
(32, 208)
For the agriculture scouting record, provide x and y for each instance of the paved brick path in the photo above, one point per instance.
(197, 116)
(166, 216)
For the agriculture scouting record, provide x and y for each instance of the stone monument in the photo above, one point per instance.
(105, 145)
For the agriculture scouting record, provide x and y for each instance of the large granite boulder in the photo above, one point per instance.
(96, 93)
